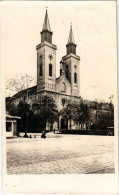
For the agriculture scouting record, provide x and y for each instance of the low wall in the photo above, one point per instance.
(88, 132)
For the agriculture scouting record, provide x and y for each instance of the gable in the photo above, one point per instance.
(63, 85)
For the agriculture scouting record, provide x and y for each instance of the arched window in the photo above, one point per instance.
(41, 70)
(41, 57)
(50, 70)
(63, 87)
(67, 71)
(75, 77)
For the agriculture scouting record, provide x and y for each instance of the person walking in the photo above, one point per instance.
(43, 134)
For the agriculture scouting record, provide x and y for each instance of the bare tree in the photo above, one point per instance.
(20, 82)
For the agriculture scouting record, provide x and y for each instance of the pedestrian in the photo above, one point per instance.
(54, 130)
(43, 134)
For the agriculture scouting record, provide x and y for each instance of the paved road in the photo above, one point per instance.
(61, 154)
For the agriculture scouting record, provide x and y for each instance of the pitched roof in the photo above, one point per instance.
(46, 25)
(32, 90)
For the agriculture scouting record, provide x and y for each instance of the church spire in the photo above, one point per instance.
(71, 46)
(46, 25)
(71, 36)
(46, 34)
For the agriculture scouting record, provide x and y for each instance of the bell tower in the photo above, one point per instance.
(46, 59)
(72, 65)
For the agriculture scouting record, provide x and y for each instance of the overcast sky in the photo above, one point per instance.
(94, 29)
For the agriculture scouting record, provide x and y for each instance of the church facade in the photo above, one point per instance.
(63, 88)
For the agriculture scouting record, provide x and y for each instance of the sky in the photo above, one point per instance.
(94, 29)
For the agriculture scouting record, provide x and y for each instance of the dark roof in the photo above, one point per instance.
(8, 98)
(32, 90)
(71, 36)
(46, 25)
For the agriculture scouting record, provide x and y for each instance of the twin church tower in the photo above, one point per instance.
(65, 87)
(68, 82)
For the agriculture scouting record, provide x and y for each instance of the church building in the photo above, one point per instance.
(63, 88)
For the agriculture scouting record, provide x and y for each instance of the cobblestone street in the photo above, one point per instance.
(61, 154)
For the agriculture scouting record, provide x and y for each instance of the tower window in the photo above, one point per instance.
(75, 77)
(67, 71)
(41, 70)
(41, 57)
(50, 70)
(63, 87)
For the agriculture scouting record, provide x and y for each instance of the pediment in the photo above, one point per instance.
(62, 79)
(63, 85)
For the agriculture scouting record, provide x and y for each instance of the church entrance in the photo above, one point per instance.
(63, 126)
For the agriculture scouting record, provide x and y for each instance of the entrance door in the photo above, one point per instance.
(63, 124)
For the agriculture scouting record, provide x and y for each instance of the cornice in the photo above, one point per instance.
(71, 55)
(45, 43)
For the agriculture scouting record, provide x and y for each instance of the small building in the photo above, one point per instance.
(11, 125)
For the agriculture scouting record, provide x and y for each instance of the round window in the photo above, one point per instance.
(50, 57)
(41, 57)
